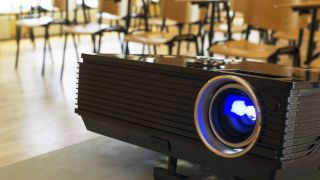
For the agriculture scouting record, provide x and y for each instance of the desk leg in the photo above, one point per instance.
(311, 37)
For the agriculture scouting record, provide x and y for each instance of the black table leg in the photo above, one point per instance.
(311, 37)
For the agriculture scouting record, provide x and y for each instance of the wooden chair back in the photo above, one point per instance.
(264, 14)
(239, 6)
(115, 7)
(60, 4)
(182, 12)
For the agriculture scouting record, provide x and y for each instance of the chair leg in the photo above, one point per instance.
(50, 51)
(180, 28)
(179, 48)
(46, 37)
(155, 50)
(202, 41)
(119, 35)
(126, 48)
(149, 49)
(75, 47)
(170, 47)
(189, 31)
(32, 38)
(93, 37)
(196, 46)
(122, 46)
(99, 43)
(296, 59)
(143, 48)
(18, 37)
(63, 56)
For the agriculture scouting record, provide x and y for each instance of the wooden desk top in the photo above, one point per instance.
(302, 5)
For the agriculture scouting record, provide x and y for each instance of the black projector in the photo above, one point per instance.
(247, 119)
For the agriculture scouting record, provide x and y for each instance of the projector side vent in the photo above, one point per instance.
(302, 131)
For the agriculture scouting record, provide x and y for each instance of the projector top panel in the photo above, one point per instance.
(279, 72)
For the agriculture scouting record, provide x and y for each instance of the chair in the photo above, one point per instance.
(237, 24)
(30, 22)
(155, 21)
(294, 35)
(181, 12)
(263, 15)
(112, 7)
(36, 20)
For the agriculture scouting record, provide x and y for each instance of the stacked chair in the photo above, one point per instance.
(262, 14)
(121, 9)
(183, 13)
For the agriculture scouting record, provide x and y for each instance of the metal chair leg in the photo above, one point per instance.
(99, 43)
(189, 32)
(75, 47)
(93, 37)
(149, 49)
(170, 48)
(18, 37)
(50, 51)
(63, 56)
(143, 48)
(46, 37)
(155, 50)
(180, 28)
(32, 38)
(297, 59)
(196, 46)
(126, 48)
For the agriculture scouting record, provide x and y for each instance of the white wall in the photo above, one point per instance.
(7, 24)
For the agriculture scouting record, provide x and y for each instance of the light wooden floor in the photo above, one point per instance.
(37, 114)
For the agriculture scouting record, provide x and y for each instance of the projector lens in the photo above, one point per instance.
(228, 116)
(233, 115)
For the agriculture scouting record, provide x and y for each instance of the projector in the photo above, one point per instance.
(250, 120)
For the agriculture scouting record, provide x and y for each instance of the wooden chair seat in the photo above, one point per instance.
(244, 49)
(294, 34)
(237, 15)
(35, 22)
(159, 22)
(150, 38)
(91, 28)
(223, 28)
(107, 16)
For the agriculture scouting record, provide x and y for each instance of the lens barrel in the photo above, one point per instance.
(228, 116)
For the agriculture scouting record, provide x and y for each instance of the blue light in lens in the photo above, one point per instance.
(240, 111)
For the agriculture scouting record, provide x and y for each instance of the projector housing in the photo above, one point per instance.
(155, 101)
